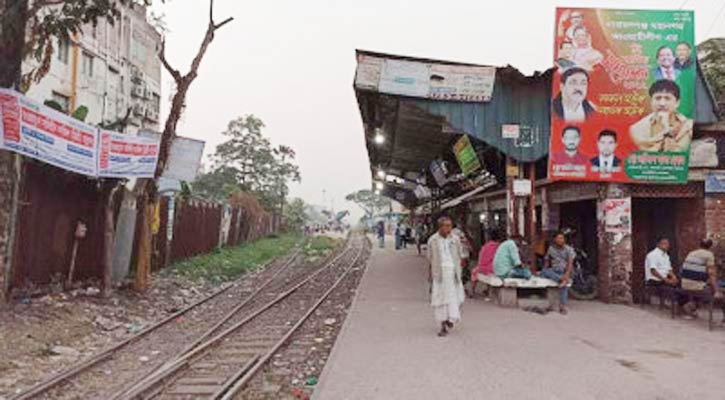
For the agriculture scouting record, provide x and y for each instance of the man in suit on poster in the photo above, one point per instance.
(606, 162)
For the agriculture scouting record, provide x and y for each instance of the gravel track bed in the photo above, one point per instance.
(225, 358)
(148, 353)
(293, 371)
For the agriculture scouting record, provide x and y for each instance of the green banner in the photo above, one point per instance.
(466, 155)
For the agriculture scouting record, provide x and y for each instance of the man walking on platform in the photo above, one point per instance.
(447, 295)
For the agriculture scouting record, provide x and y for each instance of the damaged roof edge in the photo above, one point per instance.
(509, 70)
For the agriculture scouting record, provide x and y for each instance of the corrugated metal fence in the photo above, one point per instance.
(53, 201)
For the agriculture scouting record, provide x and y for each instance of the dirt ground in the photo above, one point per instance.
(43, 335)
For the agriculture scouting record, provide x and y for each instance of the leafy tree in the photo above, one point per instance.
(80, 113)
(44, 21)
(216, 185)
(370, 202)
(295, 214)
(248, 162)
(712, 58)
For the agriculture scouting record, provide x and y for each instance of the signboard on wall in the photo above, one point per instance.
(623, 95)
(466, 155)
(715, 182)
(124, 155)
(618, 216)
(510, 131)
(522, 187)
(39, 132)
(425, 79)
(184, 157)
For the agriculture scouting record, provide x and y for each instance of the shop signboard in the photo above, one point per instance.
(466, 155)
(39, 132)
(461, 83)
(125, 155)
(522, 187)
(715, 182)
(407, 78)
(510, 131)
(450, 82)
(623, 95)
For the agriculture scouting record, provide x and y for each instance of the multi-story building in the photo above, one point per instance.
(110, 68)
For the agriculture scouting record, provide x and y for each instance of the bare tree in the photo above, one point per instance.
(147, 192)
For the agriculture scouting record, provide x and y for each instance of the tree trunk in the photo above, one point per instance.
(108, 238)
(13, 17)
(149, 190)
(13, 14)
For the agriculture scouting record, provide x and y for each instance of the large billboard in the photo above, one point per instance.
(623, 95)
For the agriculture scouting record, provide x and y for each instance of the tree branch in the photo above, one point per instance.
(226, 21)
(162, 56)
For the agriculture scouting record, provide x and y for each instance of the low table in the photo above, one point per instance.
(506, 290)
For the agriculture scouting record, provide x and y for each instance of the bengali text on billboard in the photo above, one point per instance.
(623, 95)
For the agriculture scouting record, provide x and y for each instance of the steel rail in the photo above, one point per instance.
(233, 386)
(138, 388)
(79, 368)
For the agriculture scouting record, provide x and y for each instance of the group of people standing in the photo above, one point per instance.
(404, 235)
(449, 255)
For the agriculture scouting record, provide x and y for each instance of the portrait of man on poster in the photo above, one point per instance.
(664, 129)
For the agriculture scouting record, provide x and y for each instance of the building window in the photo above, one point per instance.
(87, 67)
(63, 50)
(64, 101)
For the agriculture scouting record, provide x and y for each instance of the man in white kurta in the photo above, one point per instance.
(447, 295)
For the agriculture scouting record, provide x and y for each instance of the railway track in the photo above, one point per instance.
(221, 365)
(189, 326)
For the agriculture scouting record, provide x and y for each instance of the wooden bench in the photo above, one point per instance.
(505, 291)
(671, 294)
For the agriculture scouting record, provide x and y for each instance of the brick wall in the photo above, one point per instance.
(690, 225)
(715, 223)
(615, 253)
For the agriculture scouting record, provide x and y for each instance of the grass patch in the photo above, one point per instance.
(232, 262)
(320, 246)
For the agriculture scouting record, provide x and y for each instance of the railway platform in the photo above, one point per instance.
(388, 348)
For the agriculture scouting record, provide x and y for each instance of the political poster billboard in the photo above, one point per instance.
(39, 132)
(623, 95)
(127, 156)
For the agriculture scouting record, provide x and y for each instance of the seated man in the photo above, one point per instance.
(700, 273)
(485, 260)
(558, 264)
(507, 261)
(658, 269)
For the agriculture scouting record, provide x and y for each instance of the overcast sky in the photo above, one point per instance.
(292, 64)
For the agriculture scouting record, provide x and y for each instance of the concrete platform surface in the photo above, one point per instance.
(388, 348)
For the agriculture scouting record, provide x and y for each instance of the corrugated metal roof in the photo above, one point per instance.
(526, 101)
(516, 100)
(705, 106)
